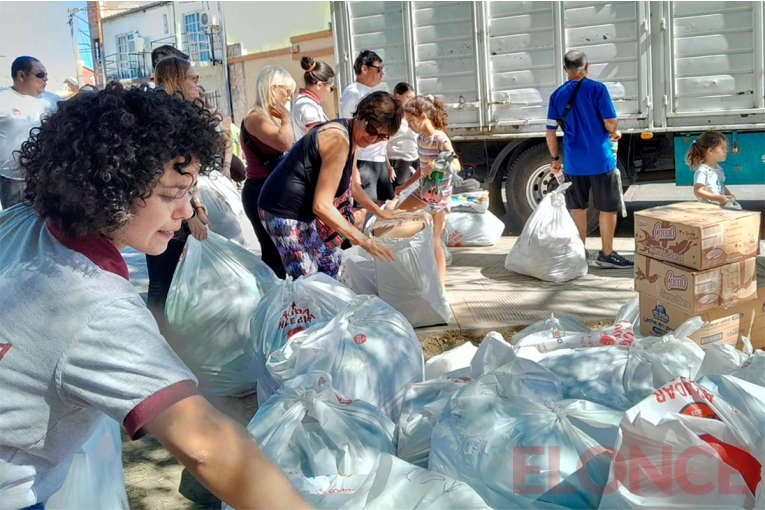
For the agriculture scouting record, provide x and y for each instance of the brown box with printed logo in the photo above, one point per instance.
(697, 235)
(696, 291)
(725, 325)
(721, 326)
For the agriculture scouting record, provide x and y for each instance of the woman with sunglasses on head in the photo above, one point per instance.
(306, 108)
(266, 134)
(306, 202)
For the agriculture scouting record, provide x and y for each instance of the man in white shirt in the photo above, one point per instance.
(21, 109)
(376, 174)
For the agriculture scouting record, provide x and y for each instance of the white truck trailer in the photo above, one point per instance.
(673, 69)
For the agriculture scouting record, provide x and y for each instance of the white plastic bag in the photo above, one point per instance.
(449, 361)
(549, 247)
(369, 349)
(471, 229)
(514, 449)
(422, 407)
(358, 271)
(392, 484)
(621, 376)
(674, 450)
(214, 292)
(226, 212)
(289, 307)
(95, 479)
(309, 428)
(473, 201)
(567, 333)
(410, 283)
(723, 359)
(630, 312)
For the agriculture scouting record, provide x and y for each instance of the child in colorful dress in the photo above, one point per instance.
(427, 116)
(704, 156)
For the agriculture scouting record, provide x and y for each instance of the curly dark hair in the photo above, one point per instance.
(89, 164)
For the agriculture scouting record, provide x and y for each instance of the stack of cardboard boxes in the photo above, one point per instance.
(698, 259)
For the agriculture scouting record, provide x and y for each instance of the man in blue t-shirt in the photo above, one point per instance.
(590, 163)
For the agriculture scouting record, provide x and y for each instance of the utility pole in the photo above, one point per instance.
(224, 59)
(76, 47)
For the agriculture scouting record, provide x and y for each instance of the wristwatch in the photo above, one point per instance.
(556, 158)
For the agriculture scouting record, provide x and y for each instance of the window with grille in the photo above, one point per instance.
(196, 38)
(127, 64)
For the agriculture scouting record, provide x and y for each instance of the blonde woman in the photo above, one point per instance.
(266, 135)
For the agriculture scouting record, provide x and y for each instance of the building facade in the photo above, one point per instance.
(125, 33)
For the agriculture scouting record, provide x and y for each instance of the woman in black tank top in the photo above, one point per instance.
(305, 204)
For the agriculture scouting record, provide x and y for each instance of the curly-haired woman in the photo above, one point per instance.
(76, 341)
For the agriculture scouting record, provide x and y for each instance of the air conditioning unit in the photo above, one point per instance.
(137, 44)
(208, 20)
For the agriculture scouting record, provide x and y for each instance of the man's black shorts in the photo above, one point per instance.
(606, 195)
(375, 180)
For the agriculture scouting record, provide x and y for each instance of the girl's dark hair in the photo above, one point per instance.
(316, 71)
(381, 109)
(432, 107)
(698, 151)
(402, 88)
(92, 163)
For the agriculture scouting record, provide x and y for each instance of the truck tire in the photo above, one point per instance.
(529, 180)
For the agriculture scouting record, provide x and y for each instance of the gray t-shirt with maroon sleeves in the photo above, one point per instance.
(76, 341)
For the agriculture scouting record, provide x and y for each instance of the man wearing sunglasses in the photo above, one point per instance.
(21, 108)
(372, 161)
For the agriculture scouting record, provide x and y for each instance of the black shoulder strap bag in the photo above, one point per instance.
(562, 119)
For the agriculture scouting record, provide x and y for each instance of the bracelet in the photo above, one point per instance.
(227, 164)
(556, 158)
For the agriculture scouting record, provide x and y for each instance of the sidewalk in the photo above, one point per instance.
(485, 296)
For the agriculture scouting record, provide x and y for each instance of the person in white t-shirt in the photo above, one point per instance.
(377, 175)
(704, 157)
(306, 108)
(22, 107)
(402, 147)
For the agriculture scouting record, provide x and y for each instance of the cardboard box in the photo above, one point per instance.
(697, 235)
(405, 226)
(696, 291)
(721, 326)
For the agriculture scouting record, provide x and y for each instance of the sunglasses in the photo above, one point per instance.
(39, 74)
(372, 131)
(380, 69)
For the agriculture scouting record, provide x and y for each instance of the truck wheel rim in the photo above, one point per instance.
(541, 183)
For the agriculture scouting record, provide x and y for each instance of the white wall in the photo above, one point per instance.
(262, 26)
(149, 25)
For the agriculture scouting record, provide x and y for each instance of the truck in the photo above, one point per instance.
(673, 70)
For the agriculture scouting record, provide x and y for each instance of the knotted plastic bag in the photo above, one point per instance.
(214, 292)
(309, 428)
(369, 349)
(289, 307)
(549, 247)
